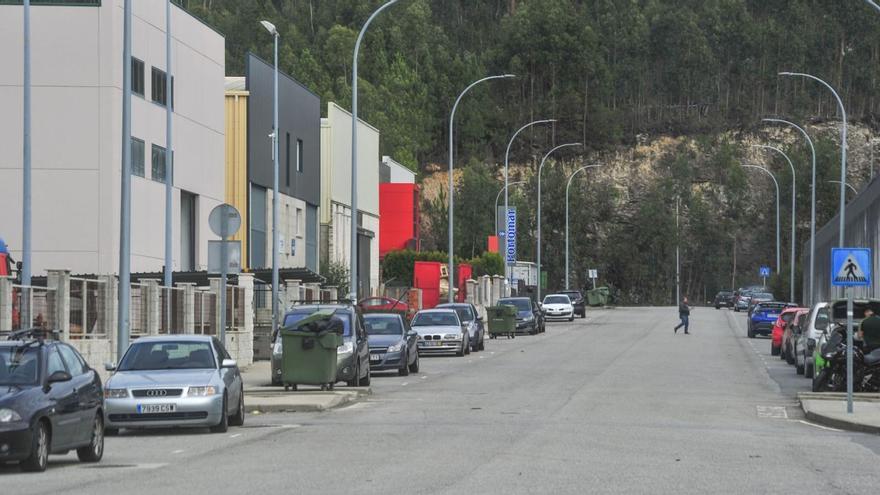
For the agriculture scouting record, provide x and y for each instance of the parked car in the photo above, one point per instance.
(723, 299)
(472, 321)
(557, 307)
(763, 316)
(759, 297)
(393, 344)
(529, 317)
(440, 332)
(51, 402)
(812, 326)
(174, 380)
(788, 334)
(779, 328)
(741, 302)
(578, 301)
(837, 316)
(352, 357)
(382, 304)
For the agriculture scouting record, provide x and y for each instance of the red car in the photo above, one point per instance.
(382, 304)
(779, 329)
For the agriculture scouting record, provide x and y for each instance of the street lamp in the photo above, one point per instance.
(540, 168)
(567, 186)
(498, 196)
(873, 4)
(274, 32)
(509, 273)
(26, 268)
(451, 191)
(775, 183)
(793, 215)
(842, 219)
(853, 189)
(812, 203)
(353, 279)
(123, 315)
(169, 170)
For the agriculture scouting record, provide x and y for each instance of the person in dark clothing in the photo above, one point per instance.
(684, 311)
(869, 330)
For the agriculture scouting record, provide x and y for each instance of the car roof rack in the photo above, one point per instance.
(345, 302)
(34, 335)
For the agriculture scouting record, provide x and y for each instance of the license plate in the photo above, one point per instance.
(156, 408)
(432, 343)
(375, 358)
(771, 315)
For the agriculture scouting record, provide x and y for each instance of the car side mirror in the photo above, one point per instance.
(59, 376)
(109, 366)
(412, 333)
(822, 325)
(479, 318)
(228, 363)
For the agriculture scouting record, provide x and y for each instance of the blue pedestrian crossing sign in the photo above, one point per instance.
(765, 271)
(850, 267)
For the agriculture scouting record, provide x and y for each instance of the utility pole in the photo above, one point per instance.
(123, 315)
(26, 268)
(677, 254)
(169, 169)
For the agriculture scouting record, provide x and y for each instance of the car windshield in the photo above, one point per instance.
(464, 312)
(435, 318)
(573, 295)
(522, 305)
(763, 295)
(383, 325)
(168, 355)
(369, 303)
(19, 365)
(339, 314)
(557, 300)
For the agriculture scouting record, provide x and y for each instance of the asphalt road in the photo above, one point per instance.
(613, 404)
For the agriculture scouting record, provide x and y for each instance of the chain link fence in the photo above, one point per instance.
(88, 307)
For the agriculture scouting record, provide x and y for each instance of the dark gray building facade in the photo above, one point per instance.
(299, 167)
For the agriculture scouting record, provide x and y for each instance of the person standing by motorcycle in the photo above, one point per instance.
(869, 331)
(684, 313)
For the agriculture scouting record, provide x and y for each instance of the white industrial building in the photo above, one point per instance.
(335, 208)
(76, 56)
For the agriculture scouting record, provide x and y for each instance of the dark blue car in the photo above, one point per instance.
(763, 317)
(393, 346)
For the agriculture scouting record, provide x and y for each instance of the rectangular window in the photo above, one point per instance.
(158, 91)
(188, 210)
(299, 222)
(137, 76)
(158, 160)
(137, 157)
(287, 159)
(299, 155)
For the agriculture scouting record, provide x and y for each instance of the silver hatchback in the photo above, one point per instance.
(174, 381)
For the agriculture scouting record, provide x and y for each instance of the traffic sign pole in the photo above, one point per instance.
(850, 267)
(849, 351)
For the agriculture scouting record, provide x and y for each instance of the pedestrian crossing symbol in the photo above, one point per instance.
(850, 267)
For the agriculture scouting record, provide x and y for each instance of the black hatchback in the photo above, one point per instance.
(51, 402)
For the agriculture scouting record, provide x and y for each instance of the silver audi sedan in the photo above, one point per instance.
(174, 381)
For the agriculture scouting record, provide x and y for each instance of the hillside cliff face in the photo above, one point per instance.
(623, 212)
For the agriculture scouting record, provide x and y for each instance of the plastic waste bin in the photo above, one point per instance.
(598, 296)
(308, 352)
(502, 321)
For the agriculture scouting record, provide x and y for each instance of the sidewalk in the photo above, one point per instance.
(829, 409)
(261, 397)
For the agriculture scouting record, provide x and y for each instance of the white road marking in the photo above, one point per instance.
(177, 451)
(818, 426)
(773, 412)
(235, 436)
(404, 384)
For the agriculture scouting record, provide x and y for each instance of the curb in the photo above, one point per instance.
(299, 401)
(840, 424)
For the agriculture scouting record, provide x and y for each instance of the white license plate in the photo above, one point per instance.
(432, 343)
(375, 358)
(156, 408)
(771, 315)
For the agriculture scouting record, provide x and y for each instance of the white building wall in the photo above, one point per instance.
(291, 225)
(76, 128)
(400, 174)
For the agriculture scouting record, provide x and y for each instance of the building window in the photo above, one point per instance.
(159, 168)
(287, 159)
(299, 155)
(299, 222)
(137, 76)
(137, 157)
(157, 90)
(188, 210)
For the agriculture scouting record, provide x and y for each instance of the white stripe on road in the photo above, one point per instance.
(818, 426)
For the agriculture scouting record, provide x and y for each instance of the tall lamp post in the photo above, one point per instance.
(775, 183)
(567, 187)
(812, 204)
(498, 196)
(851, 188)
(274, 32)
(873, 4)
(793, 215)
(507, 271)
(26, 269)
(124, 293)
(353, 255)
(842, 215)
(169, 168)
(541, 168)
(451, 191)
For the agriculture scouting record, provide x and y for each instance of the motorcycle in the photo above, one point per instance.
(831, 365)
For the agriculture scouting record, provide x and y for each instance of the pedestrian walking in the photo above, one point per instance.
(684, 312)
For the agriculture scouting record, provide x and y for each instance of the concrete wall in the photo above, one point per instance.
(291, 226)
(76, 111)
(399, 173)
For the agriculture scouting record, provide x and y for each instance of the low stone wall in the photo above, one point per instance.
(95, 351)
(241, 347)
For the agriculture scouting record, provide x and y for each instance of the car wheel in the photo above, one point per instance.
(774, 351)
(717, 307)
(571, 319)
(808, 368)
(237, 419)
(95, 449)
(223, 425)
(789, 357)
(751, 333)
(365, 381)
(39, 458)
(357, 374)
(483, 343)
(460, 352)
(799, 368)
(820, 382)
(405, 370)
(414, 368)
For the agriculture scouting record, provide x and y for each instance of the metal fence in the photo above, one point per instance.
(171, 323)
(234, 309)
(205, 313)
(39, 302)
(138, 311)
(87, 312)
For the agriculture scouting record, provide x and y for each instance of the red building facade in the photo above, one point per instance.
(399, 217)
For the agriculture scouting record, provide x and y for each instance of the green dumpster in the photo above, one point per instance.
(308, 351)
(598, 296)
(502, 321)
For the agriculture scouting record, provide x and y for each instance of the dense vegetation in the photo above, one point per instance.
(613, 73)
